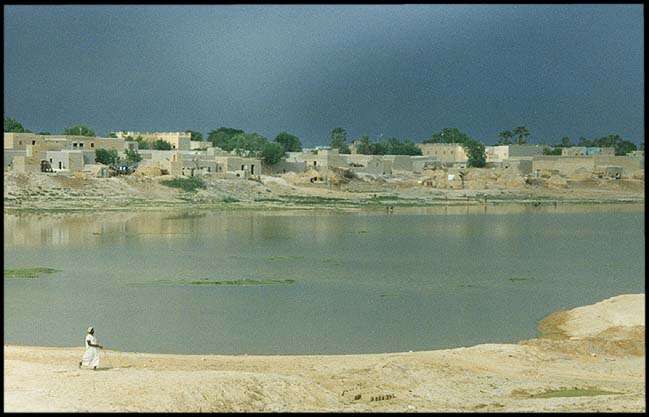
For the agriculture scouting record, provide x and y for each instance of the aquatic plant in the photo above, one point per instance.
(205, 281)
(28, 272)
(285, 258)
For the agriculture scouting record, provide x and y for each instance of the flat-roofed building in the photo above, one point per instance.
(178, 140)
(447, 153)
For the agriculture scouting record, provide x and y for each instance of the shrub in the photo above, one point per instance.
(190, 184)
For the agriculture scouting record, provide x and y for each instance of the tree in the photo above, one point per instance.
(78, 130)
(338, 139)
(394, 146)
(476, 153)
(112, 135)
(291, 143)
(44, 133)
(584, 142)
(222, 136)
(272, 153)
(379, 148)
(565, 142)
(106, 157)
(448, 135)
(624, 147)
(246, 143)
(133, 155)
(505, 137)
(198, 136)
(549, 150)
(521, 133)
(161, 145)
(363, 146)
(141, 143)
(14, 126)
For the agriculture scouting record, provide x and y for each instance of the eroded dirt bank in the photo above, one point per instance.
(40, 191)
(591, 349)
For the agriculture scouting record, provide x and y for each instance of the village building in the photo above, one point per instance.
(587, 151)
(499, 153)
(324, 160)
(448, 154)
(200, 144)
(178, 140)
(239, 166)
(367, 164)
(570, 166)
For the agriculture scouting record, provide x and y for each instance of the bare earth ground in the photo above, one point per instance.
(42, 191)
(599, 347)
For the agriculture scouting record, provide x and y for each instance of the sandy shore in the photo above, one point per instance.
(597, 347)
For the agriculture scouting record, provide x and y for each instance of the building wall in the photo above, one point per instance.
(9, 155)
(400, 163)
(65, 160)
(586, 151)
(25, 164)
(496, 153)
(629, 164)
(324, 160)
(284, 166)
(522, 165)
(200, 144)
(525, 150)
(239, 165)
(566, 165)
(365, 164)
(446, 153)
(420, 163)
(20, 141)
(178, 140)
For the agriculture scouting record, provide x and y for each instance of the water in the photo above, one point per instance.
(369, 282)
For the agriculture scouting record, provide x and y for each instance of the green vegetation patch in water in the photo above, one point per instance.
(389, 295)
(28, 272)
(226, 282)
(187, 215)
(311, 199)
(518, 279)
(286, 258)
(572, 392)
(230, 200)
(331, 261)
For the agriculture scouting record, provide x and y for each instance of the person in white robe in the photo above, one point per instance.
(91, 355)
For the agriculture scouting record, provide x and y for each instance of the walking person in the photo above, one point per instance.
(91, 355)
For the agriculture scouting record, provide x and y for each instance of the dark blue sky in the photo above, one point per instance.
(401, 70)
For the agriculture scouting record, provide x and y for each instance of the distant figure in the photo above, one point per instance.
(91, 355)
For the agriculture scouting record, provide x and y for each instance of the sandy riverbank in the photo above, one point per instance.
(598, 347)
(47, 192)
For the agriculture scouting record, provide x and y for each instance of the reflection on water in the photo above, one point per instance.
(29, 229)
(420, 278)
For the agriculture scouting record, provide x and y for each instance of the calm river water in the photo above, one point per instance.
(370, 282)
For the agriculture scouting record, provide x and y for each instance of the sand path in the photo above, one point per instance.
(489, 377)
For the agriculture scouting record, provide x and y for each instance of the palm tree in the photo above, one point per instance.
(521, 133)
(505, 137)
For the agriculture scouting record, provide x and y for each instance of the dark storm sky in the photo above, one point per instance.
(401, 70)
